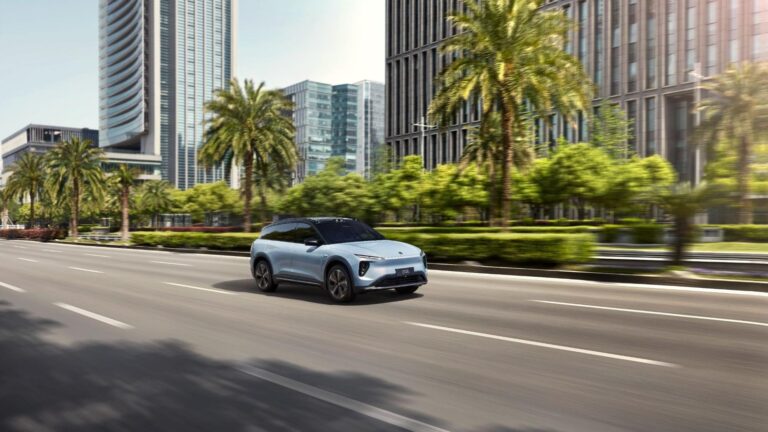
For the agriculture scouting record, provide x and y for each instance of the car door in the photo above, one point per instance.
(308, 260)
(279, 247)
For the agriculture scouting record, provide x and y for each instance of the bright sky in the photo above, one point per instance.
(49, 52)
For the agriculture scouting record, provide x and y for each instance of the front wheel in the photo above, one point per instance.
(407, 290)
(262, 273)
(339, 285)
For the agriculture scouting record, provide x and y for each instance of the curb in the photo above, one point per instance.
(521, 271)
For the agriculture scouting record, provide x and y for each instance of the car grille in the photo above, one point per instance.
(401, 280)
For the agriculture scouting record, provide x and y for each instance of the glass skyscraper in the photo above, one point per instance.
(160, 61)
(345, 120)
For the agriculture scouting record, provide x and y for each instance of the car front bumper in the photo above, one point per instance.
(383, 274)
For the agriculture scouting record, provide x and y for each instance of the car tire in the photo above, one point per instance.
(340, 286)
(262, 273)
(406, 290)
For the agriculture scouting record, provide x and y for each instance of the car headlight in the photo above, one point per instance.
(364, 266)
(369, 257)
(424, 259)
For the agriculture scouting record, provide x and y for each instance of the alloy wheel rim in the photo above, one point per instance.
(338, 284)
(262, 275)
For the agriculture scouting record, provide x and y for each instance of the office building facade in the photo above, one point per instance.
(646, 55)
(345, 120)
(160, 61)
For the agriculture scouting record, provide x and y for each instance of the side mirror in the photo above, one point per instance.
(312, 241)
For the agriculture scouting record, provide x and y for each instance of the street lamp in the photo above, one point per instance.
(424, 128)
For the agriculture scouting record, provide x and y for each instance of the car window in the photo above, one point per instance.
(302, 232)
(346, 231)
(281, 232)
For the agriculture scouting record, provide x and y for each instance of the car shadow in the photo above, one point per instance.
(314, 294)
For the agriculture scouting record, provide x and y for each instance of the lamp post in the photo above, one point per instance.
(424, 127)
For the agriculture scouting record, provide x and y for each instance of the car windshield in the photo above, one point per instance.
(346, 231)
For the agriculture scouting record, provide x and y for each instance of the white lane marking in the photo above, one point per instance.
(11, 287)
(382, 415)
(27, 260)
(546, 345)
(51, 250)
(19, 247)
(92, 315)
(218, 291)
(172, 263)
(97, 255)
(601, 285)
(85, 270)
(647, 312)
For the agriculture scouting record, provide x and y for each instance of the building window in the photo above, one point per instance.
(615, 46)
(650, 127)
(734, 28)
(599, 22)
(650, 42)
(583, 14)
(632, 118)
(760, 30)
(690, 38)
(711, 37)
(671, 43)
(568, 11)
(632, 47)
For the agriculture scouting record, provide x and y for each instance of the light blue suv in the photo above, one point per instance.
(343, 256)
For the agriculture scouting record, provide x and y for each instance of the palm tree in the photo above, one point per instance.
(736, 109)
(682, 201)
(27, 179)
(509, 55)
(75, 166)
(123, 180)
(484, 149)
(249, 125)
(155, 197)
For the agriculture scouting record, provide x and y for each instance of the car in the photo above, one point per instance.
(343, 256)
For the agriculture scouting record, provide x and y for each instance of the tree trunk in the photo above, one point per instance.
(682, 238)
(247, 191)
(745, 204)
(507, 124)
(75, 210)
(32, 210)
(263, 197)
(124, 207)
(492, 193)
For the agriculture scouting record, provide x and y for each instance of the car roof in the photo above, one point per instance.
(311, 220)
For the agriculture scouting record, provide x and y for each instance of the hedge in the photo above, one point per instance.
(510, 248)
(647, 233)
(194, 240)
(487, 230)
(40, 234)
(744, 233)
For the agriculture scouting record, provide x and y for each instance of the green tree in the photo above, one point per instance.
(74, 166)
(249, 125)
(27, 180)
(736, 110)
(449, 192)
(123, 179)
(610, 130)
(660, 177)
(625, 185)
(154, 197)
(510, 56)
(682, 201)
(206, 198)
(579, 174)
(484, 150)
(401, 188)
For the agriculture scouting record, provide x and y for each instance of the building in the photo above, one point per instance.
(160, 61)
(646, 55)
(345, 120)
(38, 139)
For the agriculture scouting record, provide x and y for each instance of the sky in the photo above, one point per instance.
(49, 60)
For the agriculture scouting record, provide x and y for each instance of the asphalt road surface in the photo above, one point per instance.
(99, 339)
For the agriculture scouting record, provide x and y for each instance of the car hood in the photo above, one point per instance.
(381, 248)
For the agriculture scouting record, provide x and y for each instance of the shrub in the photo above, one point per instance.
(477, 230)
(745, 233)
(610, 233)
(647, 233)
(217, 241)
(511, 248)
(202, 229)
(39, 234)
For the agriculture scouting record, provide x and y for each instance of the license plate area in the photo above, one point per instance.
(404, 271)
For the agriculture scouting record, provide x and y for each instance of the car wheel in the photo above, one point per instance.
(262, 273)
(407, 290)
(339, 285)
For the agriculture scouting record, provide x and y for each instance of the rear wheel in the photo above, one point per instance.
(407, 290)
(339, 285)
(262, 273)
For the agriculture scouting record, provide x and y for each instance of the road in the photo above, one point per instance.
(99, 339)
